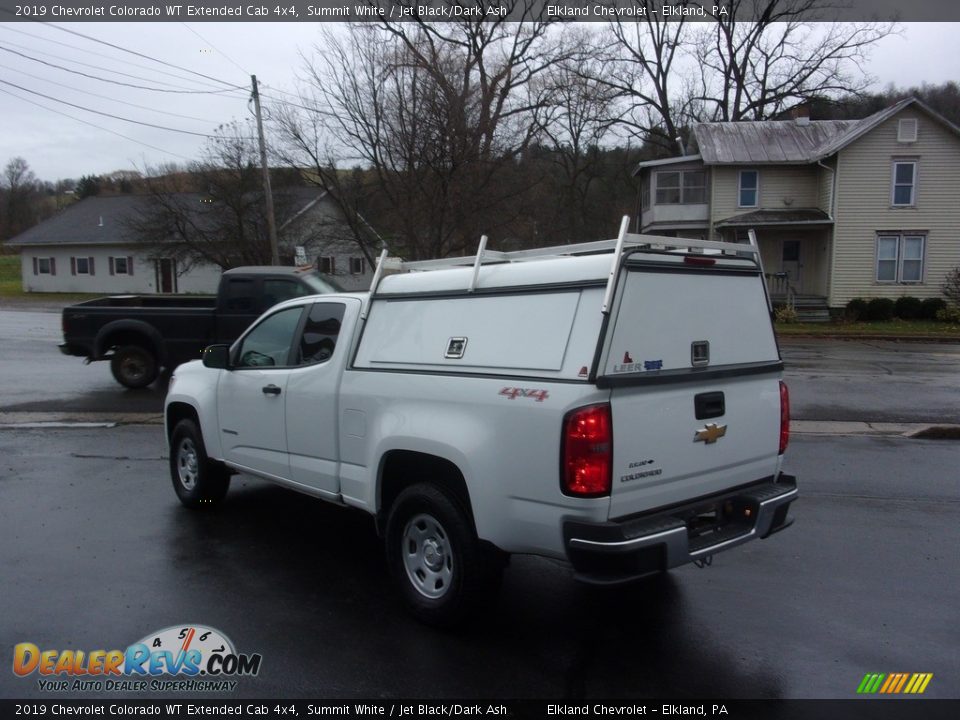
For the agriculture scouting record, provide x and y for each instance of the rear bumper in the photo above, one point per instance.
(619, 551)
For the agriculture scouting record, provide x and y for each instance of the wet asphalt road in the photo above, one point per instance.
(829, 379)
(97, 553)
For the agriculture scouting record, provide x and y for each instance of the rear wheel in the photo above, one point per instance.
(197, 480)
(439, 566)
(134, 366)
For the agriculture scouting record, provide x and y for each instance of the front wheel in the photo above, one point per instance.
(197, 480)
(134, 366)
(440, 567)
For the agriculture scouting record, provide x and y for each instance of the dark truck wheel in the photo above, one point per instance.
(197, 480)
(442, 570)
(134, 366)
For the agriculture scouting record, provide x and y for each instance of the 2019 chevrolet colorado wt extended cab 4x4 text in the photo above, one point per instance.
(610, 405)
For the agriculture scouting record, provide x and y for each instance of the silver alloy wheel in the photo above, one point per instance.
(427, 556)
(188, 465)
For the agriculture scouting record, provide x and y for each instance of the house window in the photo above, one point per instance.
(900, 258)
(904, 183)
(327, 265)
(668, 188)
(121, 265)
(82, 266)
(749, 187)
(356, 266)
(694, 188)
(907, 130)
(681, 187)
(44, 266)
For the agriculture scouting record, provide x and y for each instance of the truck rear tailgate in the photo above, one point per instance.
(694, 371)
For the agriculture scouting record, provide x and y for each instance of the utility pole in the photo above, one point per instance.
(271, 222)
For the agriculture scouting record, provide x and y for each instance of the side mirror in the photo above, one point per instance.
(217, 357)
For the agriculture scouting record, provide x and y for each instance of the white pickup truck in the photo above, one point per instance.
(615, 405)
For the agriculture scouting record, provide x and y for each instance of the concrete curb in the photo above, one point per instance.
(843, 428)
(27, 420)
(54, 420)
(873, 338)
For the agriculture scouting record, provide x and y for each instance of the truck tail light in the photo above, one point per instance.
(587, 451)
(784, 416)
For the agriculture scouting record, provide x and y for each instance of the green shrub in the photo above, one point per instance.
(951, 286)
(785, 314)
(856, 308)
(949, 314)
(878, 310)
(930, 307)
(907, 307)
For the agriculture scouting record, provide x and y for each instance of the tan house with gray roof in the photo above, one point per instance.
(841, 208)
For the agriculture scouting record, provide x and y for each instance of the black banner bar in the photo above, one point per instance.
(865, 708)
(314, 11)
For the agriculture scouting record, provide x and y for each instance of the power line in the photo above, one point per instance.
(146, 57)
(235, 63)
(90, 52)
(104, 97)
(115, 117)
(116, 72)
(98, 127)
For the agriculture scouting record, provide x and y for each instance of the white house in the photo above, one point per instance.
(89, 248)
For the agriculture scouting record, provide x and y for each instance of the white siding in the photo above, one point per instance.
(782, 187)
(864, 208)
(199, 279)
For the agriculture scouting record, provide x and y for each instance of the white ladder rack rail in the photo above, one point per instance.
(622, 243)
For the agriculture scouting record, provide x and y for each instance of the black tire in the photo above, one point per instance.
(134, 366)
(441, 569)
(198, 481)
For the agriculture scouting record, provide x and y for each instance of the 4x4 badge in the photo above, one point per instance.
(710, 434)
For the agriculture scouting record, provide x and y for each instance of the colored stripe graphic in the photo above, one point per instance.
(894, 683)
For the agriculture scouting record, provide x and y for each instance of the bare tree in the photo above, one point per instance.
(767, 55)
(20, 198)
(581, 113)
(434, 114)
(214, 212)
(752, 62)
(644, 64)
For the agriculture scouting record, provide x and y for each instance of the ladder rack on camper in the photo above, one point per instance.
(622, 243)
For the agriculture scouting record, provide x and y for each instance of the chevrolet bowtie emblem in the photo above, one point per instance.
(710, 433)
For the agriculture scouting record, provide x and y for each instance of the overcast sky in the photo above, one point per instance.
(56, 146)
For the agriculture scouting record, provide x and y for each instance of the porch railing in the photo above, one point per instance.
(780, 287)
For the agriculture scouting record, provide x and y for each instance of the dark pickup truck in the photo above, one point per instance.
(140, 334)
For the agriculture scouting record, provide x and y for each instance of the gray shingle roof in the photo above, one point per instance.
(103, 220)
(791, 216)
(91, 221)
(768, 141)
(787, 141)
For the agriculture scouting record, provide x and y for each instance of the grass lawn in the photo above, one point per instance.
(893, 328)
(11, 287)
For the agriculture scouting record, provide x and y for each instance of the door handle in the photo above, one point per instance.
(271, 390)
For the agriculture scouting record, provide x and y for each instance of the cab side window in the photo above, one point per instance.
(239, 295)
(320, 332)
(270, 342)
